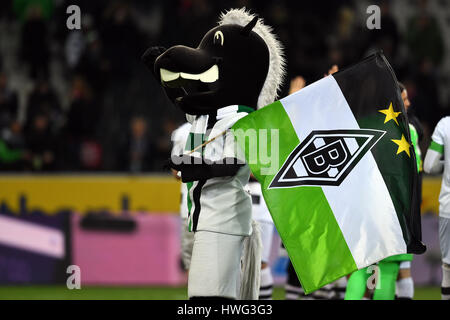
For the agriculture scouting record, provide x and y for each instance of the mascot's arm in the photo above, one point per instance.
(194, 168)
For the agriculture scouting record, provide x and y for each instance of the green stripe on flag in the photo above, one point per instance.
(437, 147)
(307, 225)
(312, 238)
(274, 117)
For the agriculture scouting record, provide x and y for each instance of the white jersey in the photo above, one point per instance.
(260, 212)
(219, 204)
(179, 138)
(441, 137)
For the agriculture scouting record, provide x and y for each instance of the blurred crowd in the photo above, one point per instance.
(92, 105)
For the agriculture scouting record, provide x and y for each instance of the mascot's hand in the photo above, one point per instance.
(150, 55)
(182, 164)
(175, 163)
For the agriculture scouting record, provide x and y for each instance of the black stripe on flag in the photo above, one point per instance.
(371, 88)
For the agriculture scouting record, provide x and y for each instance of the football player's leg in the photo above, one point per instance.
(405, 285)
(445, 287)
(324, 293)
(293, 287)
(444, 239)
(215, 265)
(339, 287)
(357, 285)
(266, 283)
(387, 276)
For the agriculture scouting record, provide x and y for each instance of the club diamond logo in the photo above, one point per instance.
(325, 158)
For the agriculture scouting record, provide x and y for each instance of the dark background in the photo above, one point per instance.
(81, 100)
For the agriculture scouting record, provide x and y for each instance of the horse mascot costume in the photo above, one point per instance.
(237, 68)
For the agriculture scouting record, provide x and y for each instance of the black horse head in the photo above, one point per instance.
(229, 67)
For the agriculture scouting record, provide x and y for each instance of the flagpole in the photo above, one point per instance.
(205, 143)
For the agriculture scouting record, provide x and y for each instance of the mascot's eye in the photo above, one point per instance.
(218, 37)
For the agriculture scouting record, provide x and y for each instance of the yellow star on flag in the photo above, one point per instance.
(390, 114)
(403, 145)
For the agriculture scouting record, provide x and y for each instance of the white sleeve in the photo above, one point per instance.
(432, 163)
(179, 138)
(439, 132)
(175, 143)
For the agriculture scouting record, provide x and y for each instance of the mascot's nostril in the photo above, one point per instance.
(217, 60)
(193, 87)
(189, 87)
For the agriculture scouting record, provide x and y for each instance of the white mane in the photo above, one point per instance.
(275, 76)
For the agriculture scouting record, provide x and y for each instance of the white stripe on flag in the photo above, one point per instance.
(364, 211)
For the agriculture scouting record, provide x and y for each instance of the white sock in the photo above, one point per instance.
(292, 292)
(405, 288)
(324, 293)
(445, 288)
(266, 285)
(339, 288)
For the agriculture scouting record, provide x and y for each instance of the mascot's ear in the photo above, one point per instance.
(248, 28)
(150, 55)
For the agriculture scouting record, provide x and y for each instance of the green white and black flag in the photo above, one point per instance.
(343, 194)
